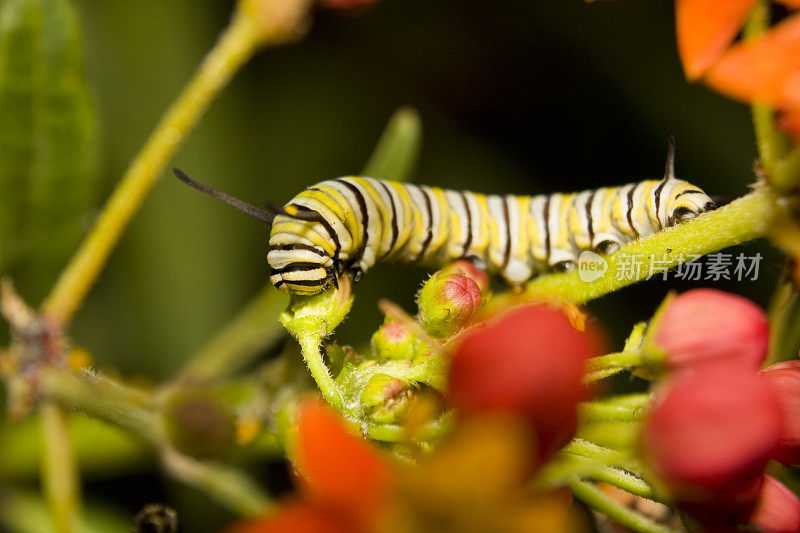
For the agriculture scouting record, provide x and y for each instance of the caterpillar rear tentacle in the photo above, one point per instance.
(350, 223)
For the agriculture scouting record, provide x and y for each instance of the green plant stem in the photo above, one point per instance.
(742, 220)
(310, 345)
(397, 433)
(611, 411)
(249, 29)
(60, 476)
(622, 479)
(614, 360)
(784, 322)
(772, 145)
(604, 366)
(229, 486)
(250, 332)
(397, 150)
(590, 450)
(592, 496)
(105, 399)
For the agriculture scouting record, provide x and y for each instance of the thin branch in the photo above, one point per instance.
(60, 476)
(255, 23)
(592, 496)
(229, 486)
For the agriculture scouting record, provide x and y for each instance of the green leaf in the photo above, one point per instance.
(397, 151)
(48, 140)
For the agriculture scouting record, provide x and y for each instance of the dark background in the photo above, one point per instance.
(515, 96)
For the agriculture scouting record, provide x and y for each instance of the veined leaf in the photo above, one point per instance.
(48, 140)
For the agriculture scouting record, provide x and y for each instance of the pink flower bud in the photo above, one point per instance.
(777, 509)
(394, 340)
(468, 268)
(529, 361)
(447, 303)
(709, 436)
(784, 378)
(707, 326)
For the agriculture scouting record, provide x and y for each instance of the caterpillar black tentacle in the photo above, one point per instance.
(350, 223)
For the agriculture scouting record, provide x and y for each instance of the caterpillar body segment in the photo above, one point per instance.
(349, 223)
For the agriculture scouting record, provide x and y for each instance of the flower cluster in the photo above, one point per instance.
(514, 383)
(716, 420)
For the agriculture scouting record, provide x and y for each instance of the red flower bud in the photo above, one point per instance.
(708, 437)
(468, 269)
(707, 326)
(447, 302)
(777, 510)
(784, 378)
(529, 360)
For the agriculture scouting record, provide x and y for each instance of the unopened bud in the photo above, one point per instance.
(468, 269)
(199, 425)
(777, 509)
(784, 379)
(447, 303)
(386, 399)
(394, 340)
(709, 435)
(705, 327)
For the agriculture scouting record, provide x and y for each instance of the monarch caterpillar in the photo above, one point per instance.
(349, 223)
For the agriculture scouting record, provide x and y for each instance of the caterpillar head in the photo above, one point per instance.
(685, 203)
(297, 265)
(682, 201)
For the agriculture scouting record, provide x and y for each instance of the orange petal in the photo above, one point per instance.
(767, 69)
(791, 3)
(705, 28)
(337, 468)
(294, 517)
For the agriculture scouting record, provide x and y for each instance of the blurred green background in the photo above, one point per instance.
(516, 96)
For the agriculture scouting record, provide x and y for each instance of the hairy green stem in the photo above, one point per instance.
(105, 399)
(592, 496)
(622, 479)
(616, 360)
(60, 476)
(742, 220)
(590, 450)
(397, 433)
(610, 410)
(312, 353)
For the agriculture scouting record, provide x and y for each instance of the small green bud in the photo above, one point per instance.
(394, 340)
(385, 399)
(447, 302)
(200, 425)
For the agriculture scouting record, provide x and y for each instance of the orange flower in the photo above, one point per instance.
(766, 69)
(705, 29)
(761, 70)
(474, 478)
